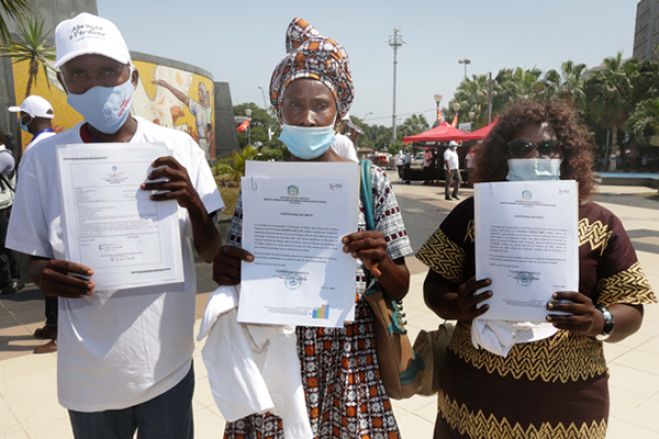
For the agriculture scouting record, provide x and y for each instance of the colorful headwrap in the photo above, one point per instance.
(312, 55)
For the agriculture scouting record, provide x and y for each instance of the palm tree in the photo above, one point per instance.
(13, 10)
(471, 94)
(568, 84)
(608, 94)
(30, 46)
(518, 83)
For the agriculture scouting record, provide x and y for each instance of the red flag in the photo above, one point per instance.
(454, 124)
(243, 126)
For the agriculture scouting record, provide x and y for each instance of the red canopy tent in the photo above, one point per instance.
(441, 133)
(481, 133)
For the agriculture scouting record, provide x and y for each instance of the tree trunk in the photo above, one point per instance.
(614, 145)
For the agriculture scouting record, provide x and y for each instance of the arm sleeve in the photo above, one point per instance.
(388, 218)
(7, 163)
(28, 230)
(444, 252)
(621, 279)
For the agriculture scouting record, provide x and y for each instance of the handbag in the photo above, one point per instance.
(399, 366)
(431, 346)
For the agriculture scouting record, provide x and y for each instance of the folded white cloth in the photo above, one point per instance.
(499, 336)
(252, 368)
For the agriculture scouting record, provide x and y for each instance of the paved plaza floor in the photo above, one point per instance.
(28, 401)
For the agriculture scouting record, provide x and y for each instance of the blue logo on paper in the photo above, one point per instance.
(293, 281)
(527, 195)
(525, 278)
(293, 191)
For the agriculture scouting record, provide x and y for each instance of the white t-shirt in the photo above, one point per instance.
(344, 147)
(119, 349)
(451, 157)
(39, 137)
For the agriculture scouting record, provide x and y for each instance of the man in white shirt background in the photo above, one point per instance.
(125, 357)
(452, 168)
(35, 117)
(344, 145)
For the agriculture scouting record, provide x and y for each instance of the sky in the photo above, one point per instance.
(242, 42)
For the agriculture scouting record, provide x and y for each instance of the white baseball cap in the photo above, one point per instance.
(453, 143)
(35, 106)
(87, 34)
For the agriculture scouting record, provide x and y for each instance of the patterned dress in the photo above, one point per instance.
(344, 393)
(552, 388)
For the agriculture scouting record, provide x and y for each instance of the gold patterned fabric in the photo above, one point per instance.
(443, 256)
(628, 286)
(479, 425)
(597, 234)
(551, 388)
(561, 358)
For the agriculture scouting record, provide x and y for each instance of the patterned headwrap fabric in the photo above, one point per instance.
(312, 55)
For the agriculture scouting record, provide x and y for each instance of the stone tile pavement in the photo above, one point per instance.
(28, 402)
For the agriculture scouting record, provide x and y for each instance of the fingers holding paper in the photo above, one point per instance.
(170, 181)
(468, 301)
(227, 264)
(62, 278)
(580, 314)
(369, 246)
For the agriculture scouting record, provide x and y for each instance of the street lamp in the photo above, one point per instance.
(248, 113)
(367, 114)
(265, 105)
(472, 115)
(438, 99)
(466, 62)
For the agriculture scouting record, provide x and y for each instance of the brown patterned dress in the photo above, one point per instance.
(552, 388)
(343, 390)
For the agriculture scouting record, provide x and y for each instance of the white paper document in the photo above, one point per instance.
(110, 224)
(527, 243)
(294, 216)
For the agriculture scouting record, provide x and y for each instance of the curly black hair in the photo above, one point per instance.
(565, 123)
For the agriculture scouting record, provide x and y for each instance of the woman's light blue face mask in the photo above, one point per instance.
(307, 143)
(533, 169)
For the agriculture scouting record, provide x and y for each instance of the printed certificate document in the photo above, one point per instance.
(110, 224)
(527, 243)
(294, 216)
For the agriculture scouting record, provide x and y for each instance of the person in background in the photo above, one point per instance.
(344, 393)
(125, 357)
(452, 168)
(9, 276)
(470, 160)
(557, 385)
(35, 117)
(343, 143)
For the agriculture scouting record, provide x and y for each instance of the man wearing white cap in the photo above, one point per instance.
(452, 167)
(125, 357)
(36, 115)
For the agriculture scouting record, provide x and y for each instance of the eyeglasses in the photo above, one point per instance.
(521, 148)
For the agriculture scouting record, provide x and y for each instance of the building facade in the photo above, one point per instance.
(646, 35)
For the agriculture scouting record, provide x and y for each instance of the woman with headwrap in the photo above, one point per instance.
(311, 89)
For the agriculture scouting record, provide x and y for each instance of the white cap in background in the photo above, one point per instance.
(35, 106)
(87, 34)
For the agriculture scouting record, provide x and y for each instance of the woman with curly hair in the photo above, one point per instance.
(557, 384)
